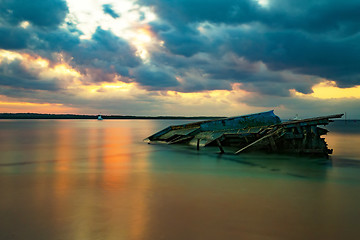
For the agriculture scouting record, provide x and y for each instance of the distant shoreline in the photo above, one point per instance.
(89, 116)
(78, 116)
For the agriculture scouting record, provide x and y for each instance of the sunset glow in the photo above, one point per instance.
(25, 107)
(179, 58)
(329, 90)
(142, 40)
(111, 87)
(179, 119)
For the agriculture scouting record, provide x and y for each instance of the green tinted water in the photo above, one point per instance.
(89, 179)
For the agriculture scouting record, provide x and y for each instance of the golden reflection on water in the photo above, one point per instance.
(97, 180)
(344, 144)
(63, 152)
(106, 186)
(86, 180)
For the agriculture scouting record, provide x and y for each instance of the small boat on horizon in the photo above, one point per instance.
(99, 118)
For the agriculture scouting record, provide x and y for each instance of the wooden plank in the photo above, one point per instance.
(304, 141)
(219, 145)
(180, 139)
(290, 135)
(176, 138)
(299, 129)
(272, 144)
(258, 141)
(312, 119)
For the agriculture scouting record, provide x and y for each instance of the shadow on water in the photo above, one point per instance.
(273, 164)
(24, 163)
(344, 162)
(295, 166)
(342, 126)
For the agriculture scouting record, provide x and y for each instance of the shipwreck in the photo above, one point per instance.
(255, 132)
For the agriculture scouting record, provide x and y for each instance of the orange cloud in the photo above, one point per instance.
(23, 107)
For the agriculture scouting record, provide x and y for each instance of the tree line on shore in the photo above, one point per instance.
(79, 116)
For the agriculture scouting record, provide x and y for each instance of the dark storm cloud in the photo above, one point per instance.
(314, 16)
(105, 51)
(179, 61)
(199, 84)
(42, 13)
(194, 72)
(99, 58)
(206, 72)
(13, 38)
(108, 9)
(301, 53)
(15, 75)
(158, 26)
(207, 44)
(184, 40)
(309, 15)
(33, 39)
(55, 41)
(154, 78)
(185, 43)
(180, 12)
(318, 38)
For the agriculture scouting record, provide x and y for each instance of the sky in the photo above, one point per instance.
(180, 57)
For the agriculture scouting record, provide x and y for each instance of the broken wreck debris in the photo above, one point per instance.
(255, 132)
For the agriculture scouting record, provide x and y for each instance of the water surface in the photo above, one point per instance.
(89, 179)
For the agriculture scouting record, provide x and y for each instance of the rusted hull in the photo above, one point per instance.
(255, 132)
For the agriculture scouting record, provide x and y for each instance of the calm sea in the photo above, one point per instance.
(89, 179)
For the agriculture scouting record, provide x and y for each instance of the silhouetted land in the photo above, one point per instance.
(76, 116)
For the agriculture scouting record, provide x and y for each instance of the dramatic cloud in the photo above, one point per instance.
(159, 56)
(13, 38)
(108, 9)
(300, 53)
(42, 13)
(317, 38)
(180, 12)
(154, 78)
(105, 51)
(16, 75)
(307, 15)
